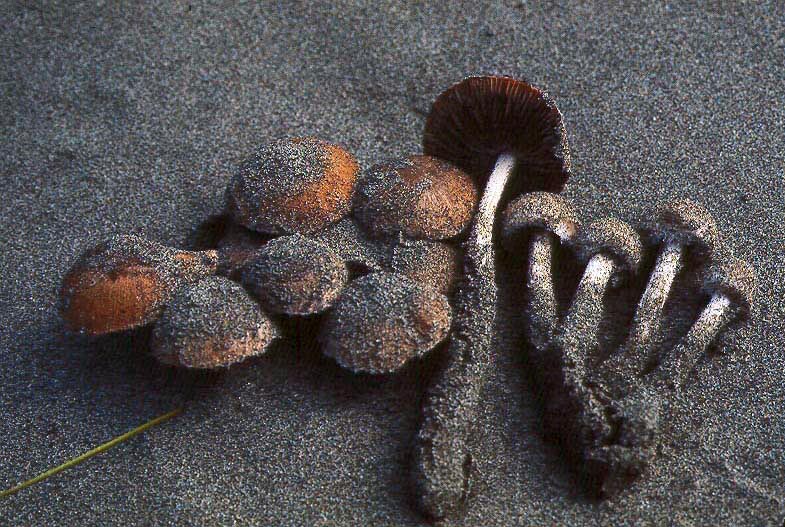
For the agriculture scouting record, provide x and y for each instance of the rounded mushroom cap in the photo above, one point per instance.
(125, 282)
(688, 224)
(420, 196)
(213, 323)
(436, 264)
(295, 185)
(361, 253)
(613, 238)
(735, 279)
(538, 211)
(295, 275)
(383, 320)
(474, 121)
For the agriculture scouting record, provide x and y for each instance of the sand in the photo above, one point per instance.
(132, 120)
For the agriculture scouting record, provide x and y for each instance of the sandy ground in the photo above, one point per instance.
(131, 120)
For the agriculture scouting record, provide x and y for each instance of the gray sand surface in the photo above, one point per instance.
(132, 120)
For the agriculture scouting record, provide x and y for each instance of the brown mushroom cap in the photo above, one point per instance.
(538, 211)
(382, 321)
(295, 185)
(420, 196)
(613, 238)
(213, 323)
(476, 120)
(436, 264)
(295, 275)
(688, 224)
(735, 279)
(125, 282)
(361, 253)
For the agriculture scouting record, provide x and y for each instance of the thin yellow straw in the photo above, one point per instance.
(87, 455)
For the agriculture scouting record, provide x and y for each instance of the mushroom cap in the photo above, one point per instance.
(474, 121)
(297, 185)
(125, 282)
(295, 275)
(735, 279)
(538, 211)
(419, 196)
(383, 320)
(436, 264)
(613, 238)
(688, 224)
(213, 323)
(361, 253)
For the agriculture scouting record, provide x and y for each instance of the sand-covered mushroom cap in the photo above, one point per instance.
(419, 196)
(688, 224)
(295, 275)
(736, 279)
(476, 120)
(361, 253)
(437, 264)
(298, 185)
(213, 323)
(382, 321)
(613, 238)
(126, 281)
(538, 211)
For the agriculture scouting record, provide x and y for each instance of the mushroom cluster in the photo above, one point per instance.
(605, 409)
(394, 260)
(372, 254)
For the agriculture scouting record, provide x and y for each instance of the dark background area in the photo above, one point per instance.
(132, 119)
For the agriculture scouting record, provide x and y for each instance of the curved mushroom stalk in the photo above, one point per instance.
(479, 123)
(682, 226)
(732, 288)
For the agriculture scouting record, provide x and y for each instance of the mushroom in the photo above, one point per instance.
(212, 323)
(126, 281)
(731, 285)
(361, 253)
(539, 220)
(295, 275)
(683, 227)
(382, 321)
(419, 197)
(298, 185)
(436, 264)
(613, 251)
(489, 127)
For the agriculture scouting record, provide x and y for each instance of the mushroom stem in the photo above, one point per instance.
(579, 336)
(574, 414)
(637, 350)
(541, 305)
(713, 319)
(442, 457)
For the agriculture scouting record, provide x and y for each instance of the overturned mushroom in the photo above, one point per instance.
(419, 197)
(289, 186)
(382, 321)
(682, 227)
(491, 127)
(539, 220)
(731, 285)
(213, 323)
(126, 281)
(295, 275)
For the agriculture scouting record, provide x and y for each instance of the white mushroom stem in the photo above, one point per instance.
(714, 318)
(541, 305)
(482, 230)
(578, 339)
(648, 315)
(442, 457)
